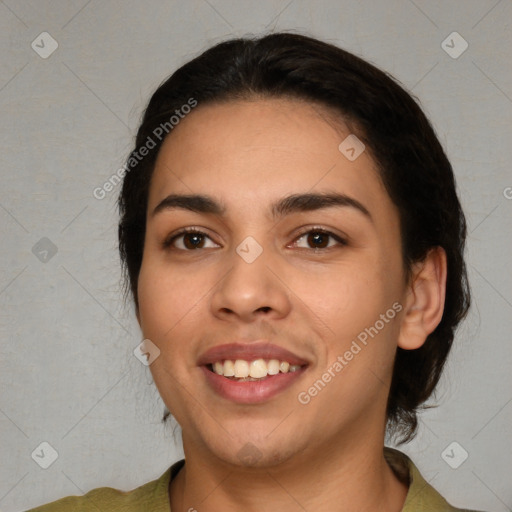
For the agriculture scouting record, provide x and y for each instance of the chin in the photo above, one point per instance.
(257, 452)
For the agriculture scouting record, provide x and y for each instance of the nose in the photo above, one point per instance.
(252, 288)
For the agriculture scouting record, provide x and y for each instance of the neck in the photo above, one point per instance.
(340, 476)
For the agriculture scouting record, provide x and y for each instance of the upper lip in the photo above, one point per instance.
(249, 352)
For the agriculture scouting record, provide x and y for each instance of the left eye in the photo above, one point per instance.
(319, 239)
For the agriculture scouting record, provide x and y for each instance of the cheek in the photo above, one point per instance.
(350, 301)
(150, 293)
(166, 309)
(351, 294)
(165, 297)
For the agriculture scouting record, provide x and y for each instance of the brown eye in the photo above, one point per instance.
(188, 240)
(320, 239)
(193, 240)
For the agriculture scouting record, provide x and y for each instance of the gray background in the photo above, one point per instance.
(68, 373)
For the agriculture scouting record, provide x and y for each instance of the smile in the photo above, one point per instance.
(244, 371)
(250, 372)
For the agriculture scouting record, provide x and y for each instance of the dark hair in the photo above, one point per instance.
(413, 167)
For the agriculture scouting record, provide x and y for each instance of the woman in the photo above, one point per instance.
(293, 243)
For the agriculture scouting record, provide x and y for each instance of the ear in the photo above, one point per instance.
(425, 300)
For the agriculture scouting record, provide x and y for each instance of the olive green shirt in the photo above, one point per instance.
(154, 496)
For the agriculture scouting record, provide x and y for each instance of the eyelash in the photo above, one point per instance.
(168, 242)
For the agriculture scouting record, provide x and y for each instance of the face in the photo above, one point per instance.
(312, 282)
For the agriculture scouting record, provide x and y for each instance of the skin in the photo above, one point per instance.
(328, 454)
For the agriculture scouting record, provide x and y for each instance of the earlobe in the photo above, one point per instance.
(425, 300)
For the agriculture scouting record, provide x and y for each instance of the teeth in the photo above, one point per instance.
(258, 369)
(252, 370)
(228, 368)
(241, 368)
(273, 367)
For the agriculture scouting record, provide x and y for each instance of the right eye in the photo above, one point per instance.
(188, 239)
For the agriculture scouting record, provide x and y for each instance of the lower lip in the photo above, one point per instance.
(251, 392)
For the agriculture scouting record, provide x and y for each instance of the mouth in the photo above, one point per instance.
(241, 370)
(250, 373)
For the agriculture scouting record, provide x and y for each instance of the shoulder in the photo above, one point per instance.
(150, 496)
(421, 497)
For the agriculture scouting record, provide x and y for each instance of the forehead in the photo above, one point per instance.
(262, 149)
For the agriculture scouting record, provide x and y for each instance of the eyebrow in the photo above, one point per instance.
(294, 203)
